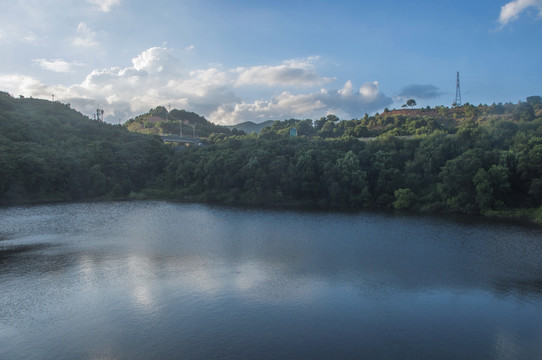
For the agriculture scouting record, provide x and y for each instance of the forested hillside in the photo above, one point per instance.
(159, 121)
(49, 151)
(470, 159)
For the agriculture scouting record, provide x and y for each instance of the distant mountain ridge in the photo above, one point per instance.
(251, 127)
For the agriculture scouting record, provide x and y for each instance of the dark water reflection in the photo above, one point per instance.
(160, 280)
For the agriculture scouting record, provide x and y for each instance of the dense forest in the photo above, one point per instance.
(49, 151)
(470, 159)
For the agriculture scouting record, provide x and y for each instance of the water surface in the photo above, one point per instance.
(142, 280)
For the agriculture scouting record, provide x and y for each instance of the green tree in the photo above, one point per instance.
(404, 199)
(411, 103)
(524, 112)
(534, 100)
(484, 190)
(492, 187)
(318, 124)
(351, 186)
(456, 188)
(327, 129)
(159, 111)
(305, 128)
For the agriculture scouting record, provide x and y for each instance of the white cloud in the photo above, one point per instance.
(345, 103)
(190, 47)
(156, 77)
(104, 5)
(347, 89)
(56, 65)
(85, 36)
(27, 86)
(290, 73)
(513, 9)
(157, 60)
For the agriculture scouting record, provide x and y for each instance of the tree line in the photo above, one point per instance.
(470, 159)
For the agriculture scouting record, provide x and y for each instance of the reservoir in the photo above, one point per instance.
(161, 280)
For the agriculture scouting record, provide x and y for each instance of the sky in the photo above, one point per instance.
(235, 61)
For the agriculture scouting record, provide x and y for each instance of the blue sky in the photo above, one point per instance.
(233, 61)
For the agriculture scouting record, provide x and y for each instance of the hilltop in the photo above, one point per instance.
(408, 122)
(396, 122)
(250, 127)
(159, 121)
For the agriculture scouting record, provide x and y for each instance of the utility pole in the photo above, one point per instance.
(457, 101)
(100, 114)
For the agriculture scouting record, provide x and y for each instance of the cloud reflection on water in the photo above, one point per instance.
(155, 274)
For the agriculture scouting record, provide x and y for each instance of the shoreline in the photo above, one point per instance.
(520, 216)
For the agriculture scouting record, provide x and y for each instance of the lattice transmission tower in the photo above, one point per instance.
(457, 101)
(99, 114)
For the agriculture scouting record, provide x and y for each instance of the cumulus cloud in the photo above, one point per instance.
(17, 84)
(104, 5)
(513, 9)
(416, 91)
(85, 36)
(56, 65)
(289, 73)
(157, 60)
(346, 103)
(157, 77)
(24, 85)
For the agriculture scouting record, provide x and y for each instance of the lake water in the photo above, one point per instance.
(159, 280)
